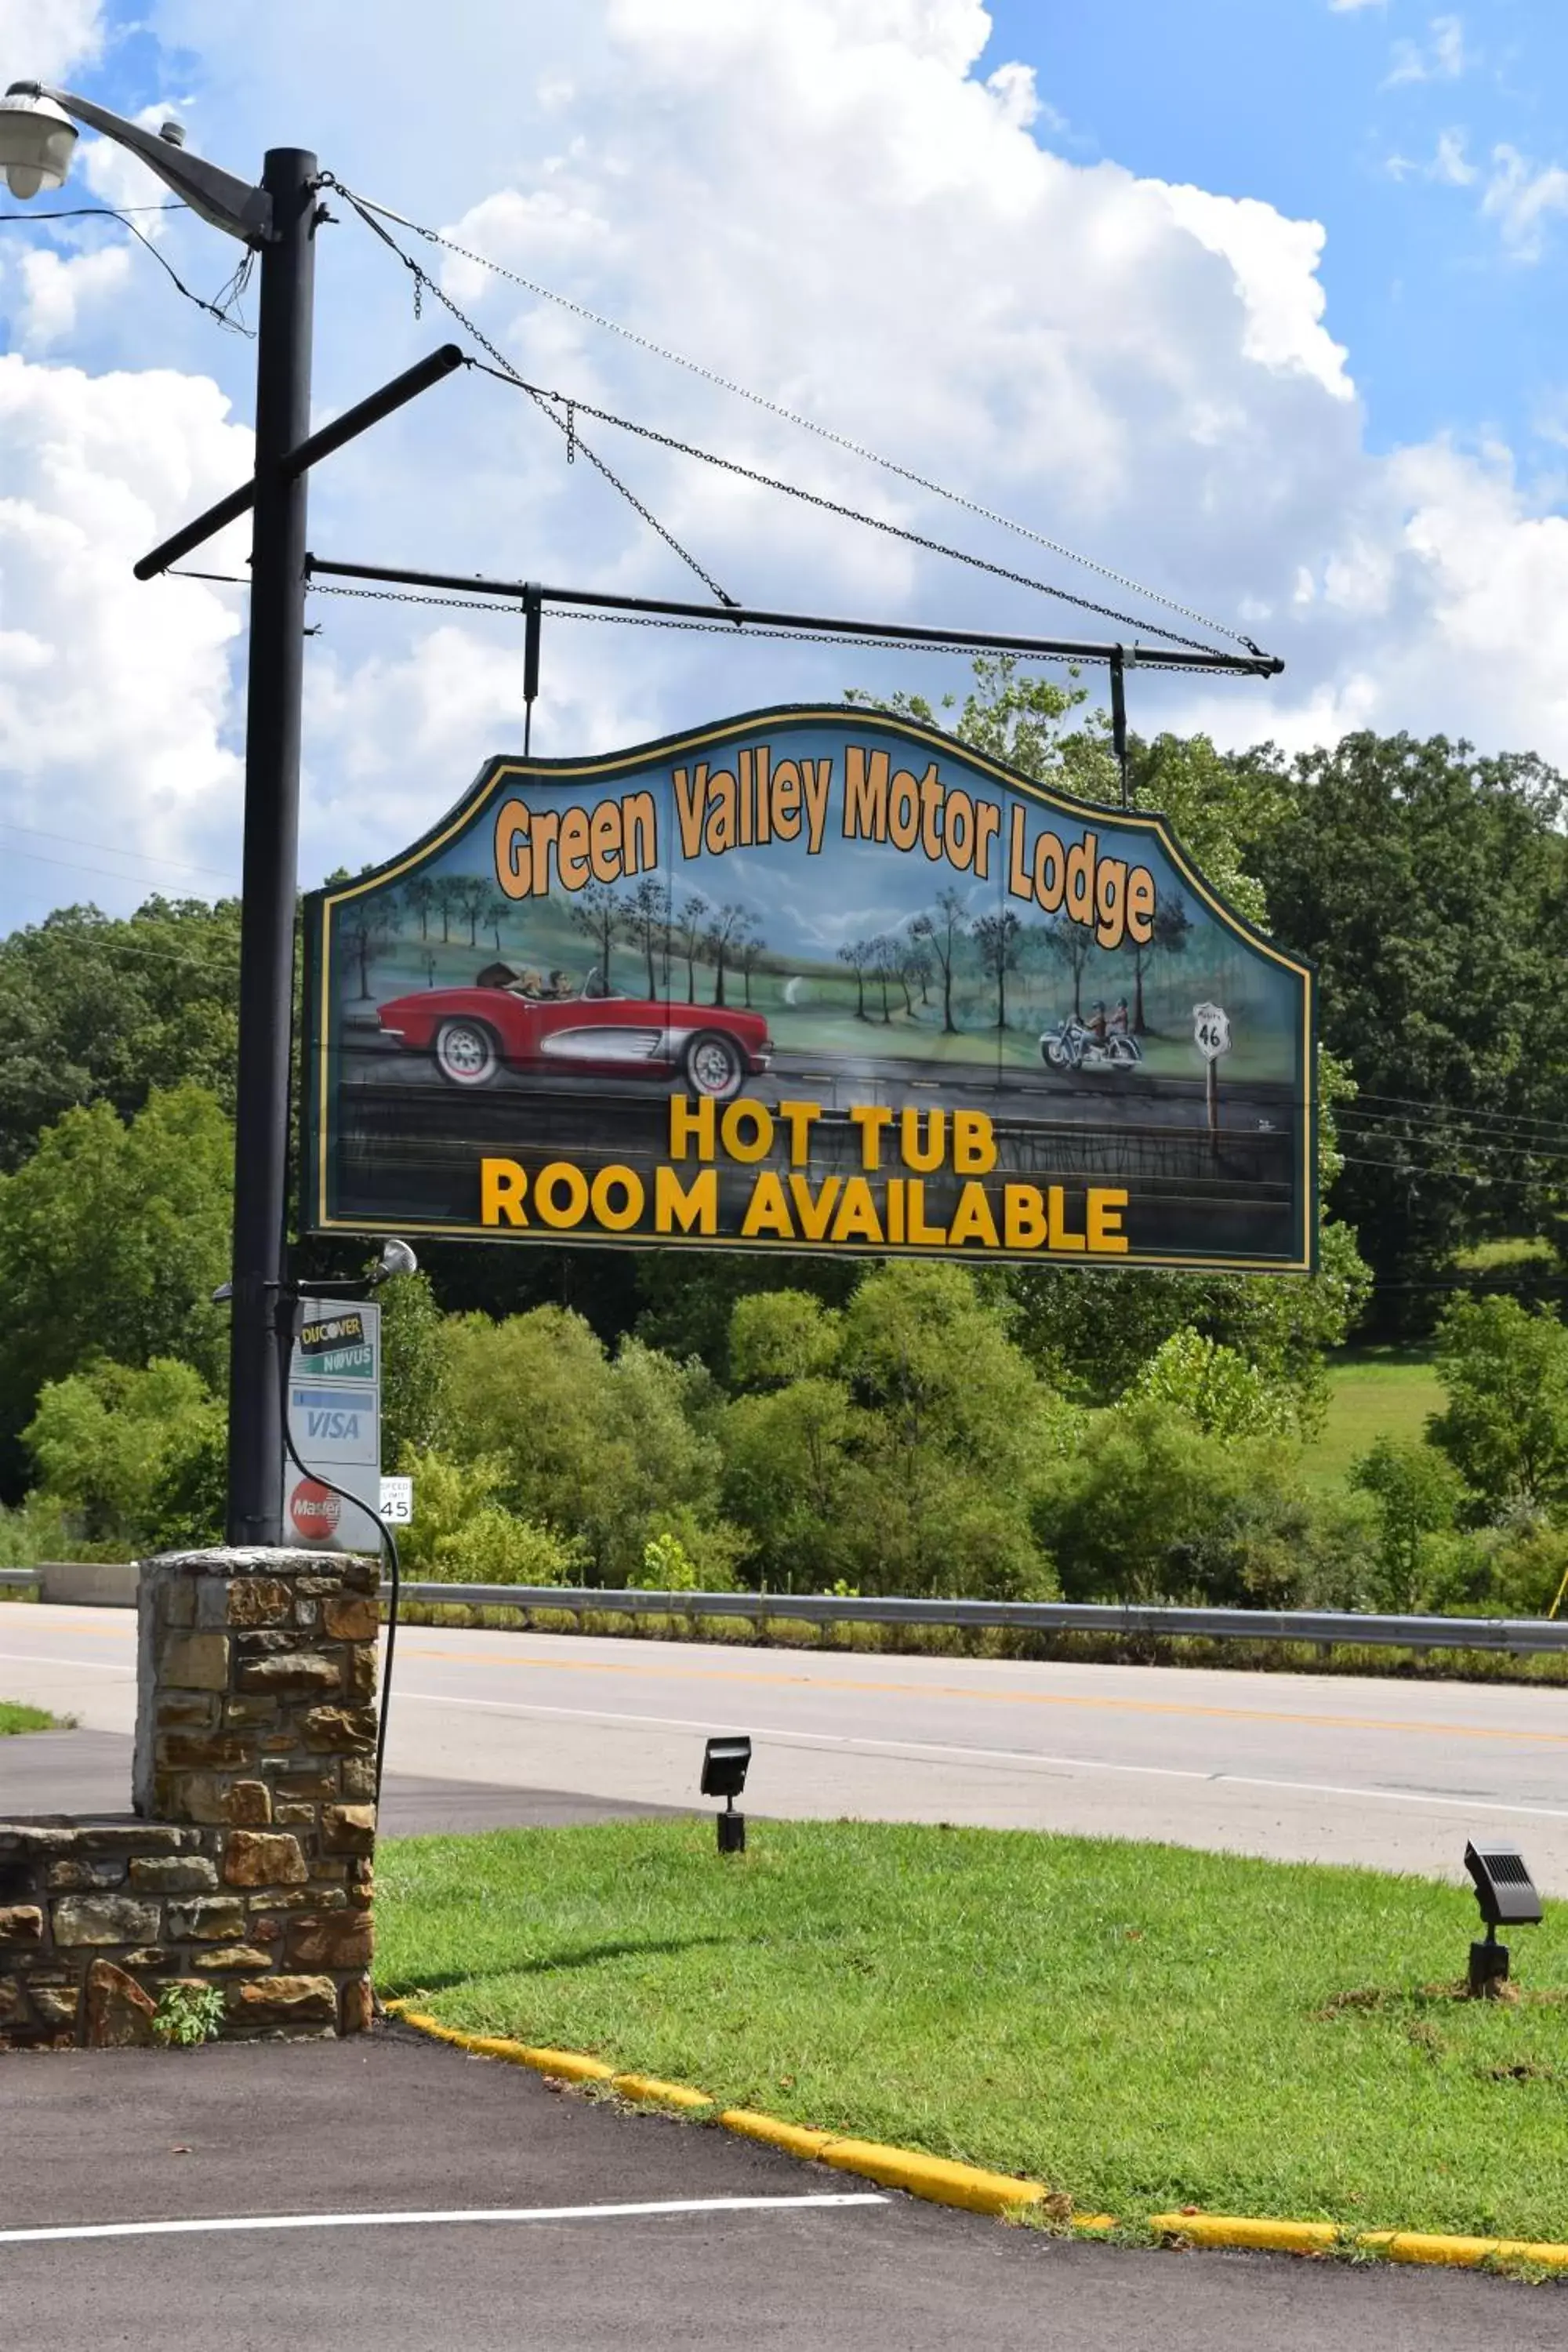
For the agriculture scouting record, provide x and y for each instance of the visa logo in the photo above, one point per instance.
(331, 1424)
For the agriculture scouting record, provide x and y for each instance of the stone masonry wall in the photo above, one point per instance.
(256, 1769)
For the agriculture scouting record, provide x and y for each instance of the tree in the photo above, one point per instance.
(858, 955)
(104, 1438)
(1417, 1495)
(1504, 1427)
(470, 896)
(596, 912)
(940, 930)
(413, 1369)
(646, 925)
(1215, 1387)
(997, 939)
(95, 1009)
(112, 1239)
(1429, 886)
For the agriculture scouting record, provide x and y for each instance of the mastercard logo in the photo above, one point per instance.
(315, 1511)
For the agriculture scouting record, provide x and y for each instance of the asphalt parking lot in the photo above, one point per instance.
(725, 2249)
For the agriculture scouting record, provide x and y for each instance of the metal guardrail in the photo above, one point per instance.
(1522, 1637)
(1326, 1628)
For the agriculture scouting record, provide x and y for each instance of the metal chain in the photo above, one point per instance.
(574, 441)
(850, 514)
(807, 423)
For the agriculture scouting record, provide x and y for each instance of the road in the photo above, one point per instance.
(673, 2235)
(1305, 1768)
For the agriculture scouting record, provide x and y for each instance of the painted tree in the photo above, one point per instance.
(472, 896)
(728, 928)
(997, 939)
(939, 930)
(419, 896)
(1071, 945)
(752, 951)
(646, 926)
(689, 934)
(448, 897)
(597, 911)
(857, 954)
(495, 912)
(885, 959)
(369, 929)
(1168, 938)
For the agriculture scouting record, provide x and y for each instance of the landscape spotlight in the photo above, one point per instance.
(1506, 1893)
(725, 1764)
(396, 1258)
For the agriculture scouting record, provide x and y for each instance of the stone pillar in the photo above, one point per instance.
(246, 1885)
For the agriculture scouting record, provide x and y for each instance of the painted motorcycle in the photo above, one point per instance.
(1073, 1045)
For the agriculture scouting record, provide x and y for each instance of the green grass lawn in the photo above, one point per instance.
(1386, 1392)
(15, 1717)
(1142, 2027)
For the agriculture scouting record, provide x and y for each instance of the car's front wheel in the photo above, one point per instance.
(466, 1053)
(714, 1065)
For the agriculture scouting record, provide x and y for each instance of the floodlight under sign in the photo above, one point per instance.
(1508, 1899)
(725, 1764)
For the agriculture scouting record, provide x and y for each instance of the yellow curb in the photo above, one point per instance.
(1233, 2229)
(793, 2139)
(942, 2182)
(1461, 2253)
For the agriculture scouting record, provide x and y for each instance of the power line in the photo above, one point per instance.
(224, 310)
(149, 857)
(805, 423)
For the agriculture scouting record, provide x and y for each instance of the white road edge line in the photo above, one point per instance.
(673, 2206)
(999, 1758)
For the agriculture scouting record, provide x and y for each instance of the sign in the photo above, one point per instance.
(334, 1420)
(1211, 1031)
(810, 980)
(397, 1502)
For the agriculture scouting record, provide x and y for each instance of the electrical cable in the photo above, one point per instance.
(388, 1541)
(230, 292)
(805, 424)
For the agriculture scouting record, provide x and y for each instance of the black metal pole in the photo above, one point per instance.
(271, 849)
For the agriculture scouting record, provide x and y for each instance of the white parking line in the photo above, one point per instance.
(227, 2222)
(997, 1758)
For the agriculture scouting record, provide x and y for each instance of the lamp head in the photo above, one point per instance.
(725, 1763)
(396, 1258)
(1504, 1888)
(37, 138)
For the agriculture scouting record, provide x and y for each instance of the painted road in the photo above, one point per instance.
(1307, 1768)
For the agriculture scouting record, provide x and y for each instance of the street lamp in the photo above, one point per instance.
(278, 219)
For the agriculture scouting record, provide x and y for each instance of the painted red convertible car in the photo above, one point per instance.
(538, 1023)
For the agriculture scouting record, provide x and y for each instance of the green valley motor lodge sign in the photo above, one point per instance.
(809, 980)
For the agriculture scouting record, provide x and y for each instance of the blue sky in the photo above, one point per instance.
(1336, 115)
(1258, 302)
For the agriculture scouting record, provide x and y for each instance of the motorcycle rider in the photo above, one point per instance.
(1121, 1022)
(1097, 1027)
